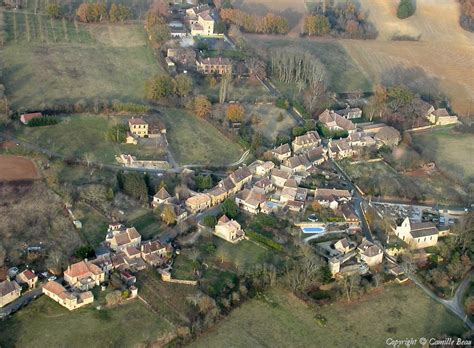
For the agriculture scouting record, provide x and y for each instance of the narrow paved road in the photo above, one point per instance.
(20, 302)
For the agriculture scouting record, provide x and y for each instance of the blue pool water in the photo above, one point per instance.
(313, 229)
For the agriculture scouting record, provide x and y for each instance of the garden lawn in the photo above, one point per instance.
(94, 225)
(195, 141)
(146, 223)
(44, 323)
(52, 63)
(282, 320)
(76, 136)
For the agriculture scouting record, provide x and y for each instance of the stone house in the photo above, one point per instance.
(335, 122)
(264, 186)
(185, 57)
(349, 215)
(331, 197)
(218, 194)
(279, 177)
(204, 25)
(121, 239)
(240, 177)
(282, 152)
(9, 292)
(370, 253)
(229, 230)
(441, 117)
(84, 275)
(250, 200)
(217, 65)
(306, 142)
(340, 149)
(350, 113)
(161, 197)
(264, 168)
(67, 299)
(27, 277)
(198, 203)
(296, 164)
(317, 155)
(138, 127)
(155, 253)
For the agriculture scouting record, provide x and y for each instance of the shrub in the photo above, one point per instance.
(209, 221)
(282, 103)
(406, 9)
(43, 121)
(264, 240)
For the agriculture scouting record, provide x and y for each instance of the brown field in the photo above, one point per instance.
(13, 168)
(441, 60)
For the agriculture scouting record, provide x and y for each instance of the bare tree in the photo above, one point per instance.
(349, 283)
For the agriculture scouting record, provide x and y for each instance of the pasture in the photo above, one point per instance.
(196, 141)
(84, 137)
(440, 62)
(279, 319)
(44, 323)
(450, 150)
(72, 63)
(16, 168)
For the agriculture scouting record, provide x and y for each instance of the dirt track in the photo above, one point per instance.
(13, 168)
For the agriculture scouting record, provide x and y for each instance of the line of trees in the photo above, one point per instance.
(268, 24)
(343, 19)
(157, 28)
(97, 12)
(297, 66)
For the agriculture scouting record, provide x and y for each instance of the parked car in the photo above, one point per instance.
(52, 278)
(313, 218)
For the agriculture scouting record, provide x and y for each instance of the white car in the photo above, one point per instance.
(50, 279)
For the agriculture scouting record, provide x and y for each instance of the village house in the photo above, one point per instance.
(240, 177)
(230, 230)
(343, 246)
(383, 134)
(83, 275)
(441, 117)
(161, 197)
(349, 215)
(27, 277)
(9, 292)
(198, 203)
(295, 206)
(179, 211)
(250, 200)
(264, 186)
(296, 164)
(340, 149)
(264, 168)
(350, 113)
(132, 259)
(118, 240)
(155, 253)
(25, 118)
(67, 299)
(417, 235)
(228, 186)
(306, 142)
(218, 195)
(331, 197)
(104, 262)
(360, 139)
(317, 155)
(279, 177)
(335, 122)
(177, 29)
(282, 152)
(217, 65)
(370, 253)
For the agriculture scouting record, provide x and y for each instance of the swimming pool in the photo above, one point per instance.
(315, 229)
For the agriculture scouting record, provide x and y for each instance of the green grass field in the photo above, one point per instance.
(285, 321)
(450, 150)
(71, 62)
(75, 136)
(94, 225)
(44, 323)
(196, 141)
(343, 73)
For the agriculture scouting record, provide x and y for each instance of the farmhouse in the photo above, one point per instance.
(350, 113)
(27, 277)
(67, 299)
(441, 117)
(138, 127)
(25, 118)
(305, 142)
(282, 152)
(218, 65)
(370, 253)
(185, 57)
(230, 230)
(83, 275)
(155, 253)
(9, 292)
(119, 240)
(417, 235)
(198, 203)
(335, 122)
